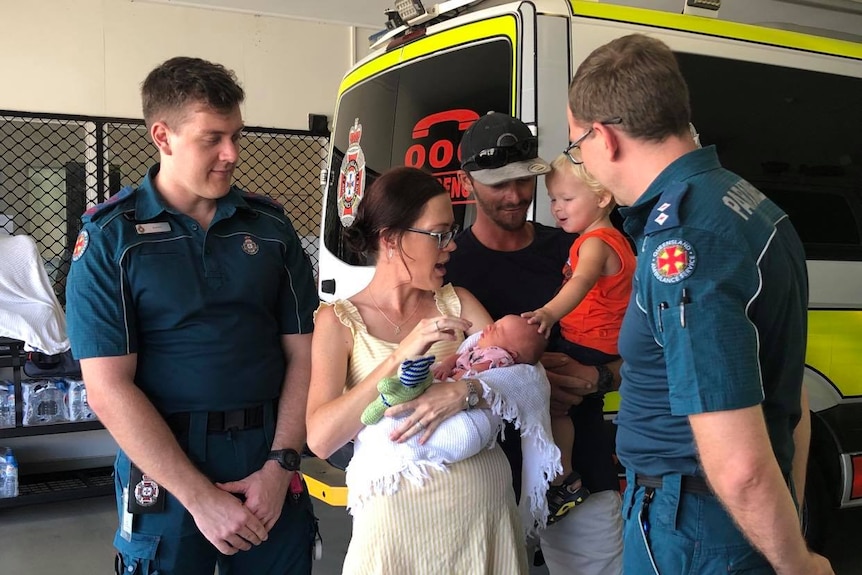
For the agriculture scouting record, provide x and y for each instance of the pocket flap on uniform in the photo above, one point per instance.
(140, 547)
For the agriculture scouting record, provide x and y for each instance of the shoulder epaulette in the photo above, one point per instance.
(126, 192)
(665, 214)
(261, 199)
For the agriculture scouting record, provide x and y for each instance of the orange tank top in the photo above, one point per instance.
(596, 322)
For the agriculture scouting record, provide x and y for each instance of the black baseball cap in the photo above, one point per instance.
(498, 148)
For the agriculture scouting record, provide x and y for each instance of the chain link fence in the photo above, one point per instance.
(53, 167)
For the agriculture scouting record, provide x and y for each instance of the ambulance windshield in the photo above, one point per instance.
(412, 115)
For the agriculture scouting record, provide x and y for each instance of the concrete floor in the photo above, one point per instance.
(74, 538)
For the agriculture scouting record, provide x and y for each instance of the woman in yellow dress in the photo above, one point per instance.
(461, 519)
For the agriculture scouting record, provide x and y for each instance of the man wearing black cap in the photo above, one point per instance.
(500, 163)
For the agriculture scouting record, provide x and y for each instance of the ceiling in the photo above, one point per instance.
(363, 13)
(841, 16)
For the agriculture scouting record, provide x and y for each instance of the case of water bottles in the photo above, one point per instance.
(7, 405)
(57, 400)
(79, 409)
(44, 402)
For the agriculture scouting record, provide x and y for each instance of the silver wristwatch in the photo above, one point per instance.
(472, 398)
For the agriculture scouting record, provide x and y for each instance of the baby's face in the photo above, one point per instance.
(511, 332)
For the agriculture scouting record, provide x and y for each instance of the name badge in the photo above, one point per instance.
(153, 228)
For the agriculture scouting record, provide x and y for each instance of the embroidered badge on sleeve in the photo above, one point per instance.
(81, 245)
(673, 261)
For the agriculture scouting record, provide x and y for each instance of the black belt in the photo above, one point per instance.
(690, 483)
(218, 421)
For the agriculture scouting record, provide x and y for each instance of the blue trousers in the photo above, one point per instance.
(169, 543)
(683, 533)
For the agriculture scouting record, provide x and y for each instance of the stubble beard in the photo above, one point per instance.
(502, 218)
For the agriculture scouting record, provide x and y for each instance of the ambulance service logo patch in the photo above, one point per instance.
(673, 261)
(146, 492)
(351, 178)
(81, 245)
(249, 246)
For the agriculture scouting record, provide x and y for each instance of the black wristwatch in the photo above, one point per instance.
(289, 459)
(605, 384)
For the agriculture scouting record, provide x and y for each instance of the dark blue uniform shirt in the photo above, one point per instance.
(203, 309)
(717, 319)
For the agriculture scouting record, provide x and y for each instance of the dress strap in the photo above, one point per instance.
(346, 313)
(447, 301)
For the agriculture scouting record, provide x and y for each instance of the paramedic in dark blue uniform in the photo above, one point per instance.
(190, 306)
(713, 342)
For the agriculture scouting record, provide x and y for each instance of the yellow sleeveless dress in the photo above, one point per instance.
(461, 521)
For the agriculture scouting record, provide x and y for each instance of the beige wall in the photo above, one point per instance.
(89, 56)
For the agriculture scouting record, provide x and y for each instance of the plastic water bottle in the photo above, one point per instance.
(79, 409)
(9, 476)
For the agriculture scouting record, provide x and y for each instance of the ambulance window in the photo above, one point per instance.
(785, 131)
(415, 115)
(831, 223)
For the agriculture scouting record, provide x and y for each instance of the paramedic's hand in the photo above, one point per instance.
(817, 565)
(264, 491)
(425, 413)
(543, 317)
(428, 332)
(225, 522)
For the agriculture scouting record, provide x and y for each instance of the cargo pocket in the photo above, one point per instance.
(136, 557)
(747, 561)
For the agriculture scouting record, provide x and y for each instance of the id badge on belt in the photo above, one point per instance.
(145, 495)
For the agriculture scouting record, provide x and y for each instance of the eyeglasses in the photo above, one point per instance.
(499, 156)
(443, 238)
(573, 150)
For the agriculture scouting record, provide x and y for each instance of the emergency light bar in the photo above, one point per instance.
(411, 13)
(414, 13)
(705, 4)
(409, 9)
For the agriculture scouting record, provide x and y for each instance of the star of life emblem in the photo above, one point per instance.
(351, 181)
(146, 492)
(249, 246)
(673, 261)
(81, 245)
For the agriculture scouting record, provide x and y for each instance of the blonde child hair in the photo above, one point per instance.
(562, 164)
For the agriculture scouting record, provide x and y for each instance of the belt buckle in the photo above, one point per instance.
(234, 419)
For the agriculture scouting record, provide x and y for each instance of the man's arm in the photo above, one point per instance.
(737, 457)
(571, 380)
(266, 489)
(143, 435)
(801, 444)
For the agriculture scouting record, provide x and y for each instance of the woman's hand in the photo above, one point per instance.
(428, 332)
(425, 413)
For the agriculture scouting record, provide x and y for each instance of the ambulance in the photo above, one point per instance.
(781, 101)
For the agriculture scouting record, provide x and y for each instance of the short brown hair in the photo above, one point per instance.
(636, 78)
(174, 84)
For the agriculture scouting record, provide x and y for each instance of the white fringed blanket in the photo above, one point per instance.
(519, 393)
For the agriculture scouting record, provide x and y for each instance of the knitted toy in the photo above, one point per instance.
(414, 377)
